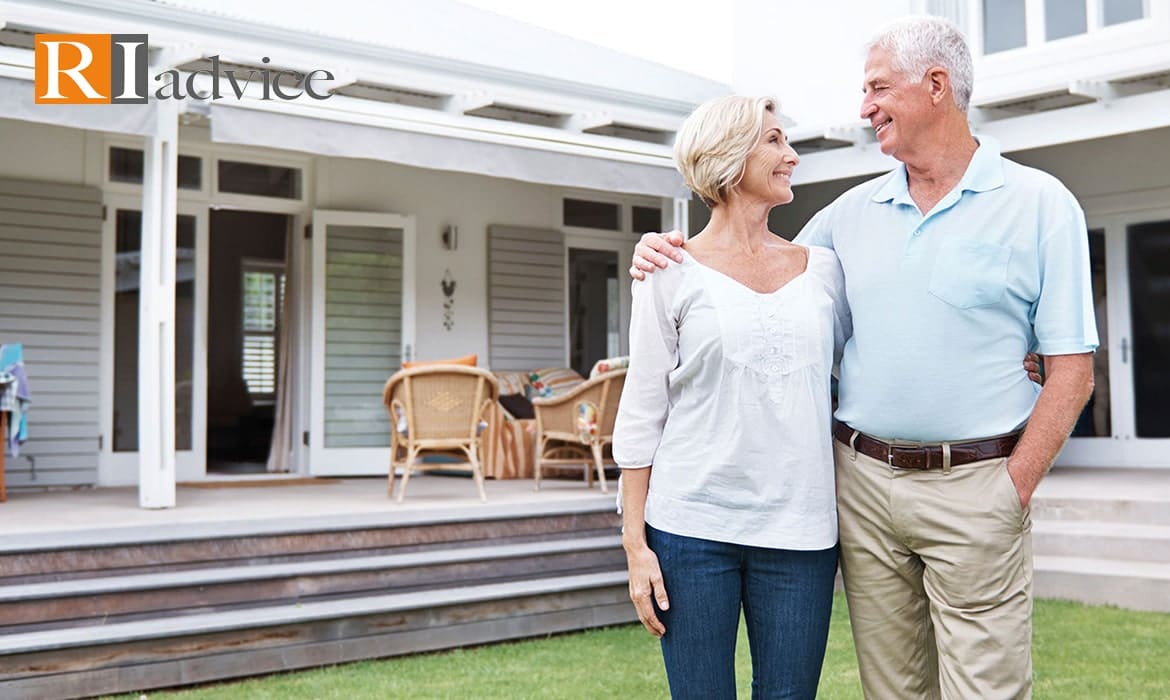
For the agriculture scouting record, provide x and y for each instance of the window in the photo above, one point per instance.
(128, 247)
(261, 180)
(589, 214)
(1004, 25)
(1118, 11)
(1013, 24)
(263, 299)
(128, 165)
(647, 219)
(1064, 18)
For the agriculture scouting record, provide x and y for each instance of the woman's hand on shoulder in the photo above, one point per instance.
(655, 251)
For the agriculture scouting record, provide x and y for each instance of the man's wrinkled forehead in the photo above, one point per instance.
(878, 67)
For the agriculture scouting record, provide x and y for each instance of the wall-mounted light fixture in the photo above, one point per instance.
(450, 237)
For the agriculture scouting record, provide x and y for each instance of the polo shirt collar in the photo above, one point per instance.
(984, 172)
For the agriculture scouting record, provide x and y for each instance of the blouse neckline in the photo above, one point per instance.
(803, 273)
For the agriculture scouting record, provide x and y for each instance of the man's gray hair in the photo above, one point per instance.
(917, 44)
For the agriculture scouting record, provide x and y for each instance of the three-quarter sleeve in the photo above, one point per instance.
(653, 355)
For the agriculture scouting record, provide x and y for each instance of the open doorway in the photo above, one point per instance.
(247, 273)
(594, 308)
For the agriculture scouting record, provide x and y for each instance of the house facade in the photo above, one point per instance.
(209, 285)
(1079, 89)
(472, 184)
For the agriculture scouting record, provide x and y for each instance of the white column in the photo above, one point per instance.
(676, 216)
(156, 316)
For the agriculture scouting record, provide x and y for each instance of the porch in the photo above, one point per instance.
(233, 505)
(100, 596)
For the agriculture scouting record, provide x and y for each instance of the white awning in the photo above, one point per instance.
(16, 102)
(328, 137)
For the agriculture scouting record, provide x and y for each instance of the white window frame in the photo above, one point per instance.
(280, 270)
(1114, 213)
(351, 461)
(1035, 30)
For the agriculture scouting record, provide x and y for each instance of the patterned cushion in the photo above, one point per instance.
(587, 421)
(552, 381)
(512, 382)
(609, 364)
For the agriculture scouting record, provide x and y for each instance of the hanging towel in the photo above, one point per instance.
(14, 395)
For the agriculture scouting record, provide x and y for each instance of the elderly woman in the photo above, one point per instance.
(723, 429)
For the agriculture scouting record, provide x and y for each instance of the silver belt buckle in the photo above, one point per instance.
(890, 453)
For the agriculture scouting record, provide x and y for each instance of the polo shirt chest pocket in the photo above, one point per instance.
(970, 273)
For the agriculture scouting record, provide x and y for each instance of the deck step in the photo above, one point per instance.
(84, 614)
(298, 613)
(136, 656)
(103, 600)
(1137, 585)
(86, 555)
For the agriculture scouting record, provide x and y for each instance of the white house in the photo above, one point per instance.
(184, 274)
(473, 184)
(1079, 88)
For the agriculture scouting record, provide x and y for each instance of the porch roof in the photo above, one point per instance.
(459, 38)
(438, 85)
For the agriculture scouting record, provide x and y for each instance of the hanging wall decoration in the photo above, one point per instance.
(448, 286)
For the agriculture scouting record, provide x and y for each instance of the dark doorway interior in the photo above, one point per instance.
(1149, 298)
(245, 295)
(593, 304)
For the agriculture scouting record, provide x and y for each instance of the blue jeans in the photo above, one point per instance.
(786, 597)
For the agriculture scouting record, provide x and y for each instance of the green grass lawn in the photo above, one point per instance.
(1080, 652)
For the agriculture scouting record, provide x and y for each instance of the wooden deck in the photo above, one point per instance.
(98, 596)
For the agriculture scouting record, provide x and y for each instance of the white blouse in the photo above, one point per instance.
(727, 396)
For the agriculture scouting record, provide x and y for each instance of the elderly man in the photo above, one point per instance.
(956, 264)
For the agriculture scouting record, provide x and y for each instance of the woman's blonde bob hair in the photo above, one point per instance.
(712, 146)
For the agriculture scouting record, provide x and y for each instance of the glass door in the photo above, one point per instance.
(599, 298)
(1127, 421)
(362, 321)
(120, 421)
(1147, 348)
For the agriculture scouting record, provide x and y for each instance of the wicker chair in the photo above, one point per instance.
(438, 408)
(563, 438)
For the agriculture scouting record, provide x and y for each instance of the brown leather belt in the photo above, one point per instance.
(926, 456)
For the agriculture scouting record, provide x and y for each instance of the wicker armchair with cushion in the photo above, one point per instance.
(441, 408)
(575, 426)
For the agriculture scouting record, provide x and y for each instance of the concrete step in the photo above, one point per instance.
(1101, 539)
(105, 600)
(1136, 585)
(1154, 510)
(171, 651)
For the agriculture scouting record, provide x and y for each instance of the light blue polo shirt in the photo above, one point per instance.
(945, 306)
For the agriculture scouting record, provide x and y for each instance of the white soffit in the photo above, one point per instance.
(16, 102)
(614, 172)
(1083, 122)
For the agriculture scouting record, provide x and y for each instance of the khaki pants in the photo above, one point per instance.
(938, 576)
